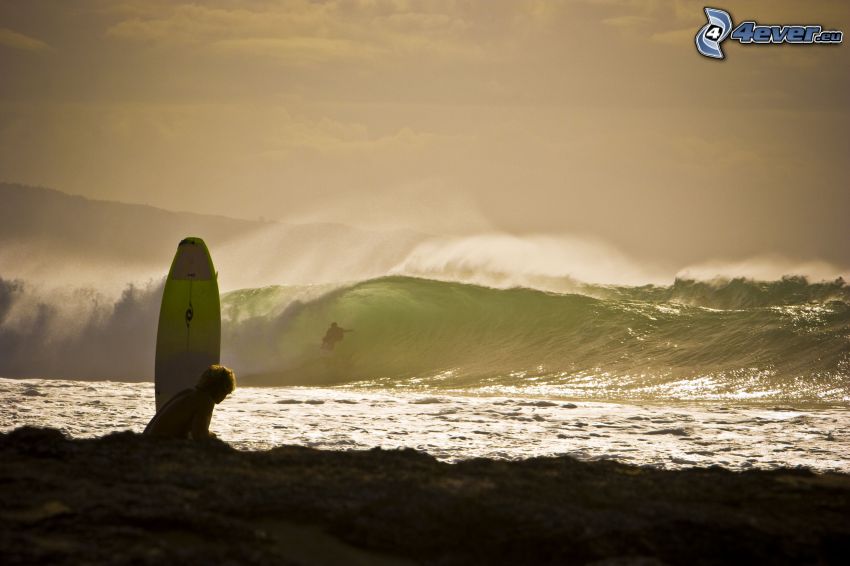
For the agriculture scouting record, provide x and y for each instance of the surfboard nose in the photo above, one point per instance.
(192, 261)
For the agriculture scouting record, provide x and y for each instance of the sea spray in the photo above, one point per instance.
(784, 340)
(778, 341)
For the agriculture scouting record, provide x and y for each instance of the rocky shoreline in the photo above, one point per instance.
(125, 498)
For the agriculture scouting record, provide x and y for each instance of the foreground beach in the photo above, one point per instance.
(124, 498)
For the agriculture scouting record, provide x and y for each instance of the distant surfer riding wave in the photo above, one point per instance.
(334, 334)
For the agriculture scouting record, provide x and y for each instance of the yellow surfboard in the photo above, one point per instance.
(188, 338)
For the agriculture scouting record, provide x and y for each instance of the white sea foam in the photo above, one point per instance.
(461, 426)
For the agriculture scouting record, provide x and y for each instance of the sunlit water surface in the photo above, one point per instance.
(456, 426)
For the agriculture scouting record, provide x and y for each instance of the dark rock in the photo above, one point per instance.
(126, 498)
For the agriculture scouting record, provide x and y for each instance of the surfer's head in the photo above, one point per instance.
(333, 325)
(218, 381)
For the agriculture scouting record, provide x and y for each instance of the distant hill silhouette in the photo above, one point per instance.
(40, 225)
(104, 229)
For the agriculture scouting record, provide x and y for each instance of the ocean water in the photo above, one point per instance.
(736, 373)
(454, 426)
(782, 342)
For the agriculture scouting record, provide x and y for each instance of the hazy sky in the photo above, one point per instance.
(590, 118)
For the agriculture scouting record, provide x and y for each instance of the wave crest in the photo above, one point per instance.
(785, 339)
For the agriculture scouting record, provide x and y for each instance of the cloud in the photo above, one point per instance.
(200, 24)
(20, 41)
(332, 137)
(298, 50)
(627, 21)
(272, 133)
(304, 33)
(723, 151)
(674, 37)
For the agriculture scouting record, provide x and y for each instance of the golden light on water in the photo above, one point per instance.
(502, 423)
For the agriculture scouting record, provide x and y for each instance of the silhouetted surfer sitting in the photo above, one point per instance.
(188, 414)
(333, 335)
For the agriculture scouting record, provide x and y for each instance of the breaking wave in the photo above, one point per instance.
(785, 340)
(738, 339)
